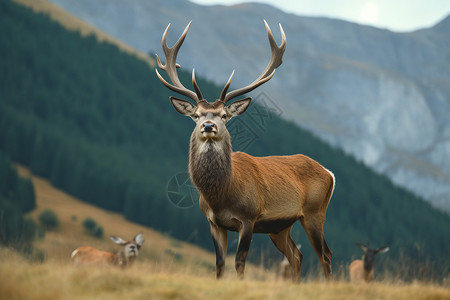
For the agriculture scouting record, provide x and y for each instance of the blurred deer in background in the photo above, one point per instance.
(360, 269)
(243, 193)
(88, 255)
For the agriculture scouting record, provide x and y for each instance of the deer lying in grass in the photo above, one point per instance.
(87, 255)
(243, 193)
(360, 269)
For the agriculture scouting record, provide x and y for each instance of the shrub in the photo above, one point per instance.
(48, 219)
(176, 256)
(89, 224)
(93, 228)
(98, 232)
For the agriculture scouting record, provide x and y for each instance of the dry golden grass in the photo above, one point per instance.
(157, 274)
(21, 280)
(73, 23)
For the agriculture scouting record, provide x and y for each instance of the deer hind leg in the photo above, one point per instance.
(219, 237)
(286, 245)
(314, 230)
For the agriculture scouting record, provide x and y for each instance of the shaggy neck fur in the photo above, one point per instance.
(122, 260)
(210, 166)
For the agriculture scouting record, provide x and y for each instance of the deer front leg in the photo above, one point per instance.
(245, 239)
(219, 237)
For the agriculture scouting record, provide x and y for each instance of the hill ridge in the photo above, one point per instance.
(74, 23)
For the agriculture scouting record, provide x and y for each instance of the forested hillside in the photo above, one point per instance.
(16, 198)
(98, 123)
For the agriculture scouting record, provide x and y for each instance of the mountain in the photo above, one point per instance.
(381, 96)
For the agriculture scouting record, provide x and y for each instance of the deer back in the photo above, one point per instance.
(88, 255)
(280, 182)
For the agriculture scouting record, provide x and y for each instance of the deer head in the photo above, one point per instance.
(211, 117)
(130, 249)
(369, 255)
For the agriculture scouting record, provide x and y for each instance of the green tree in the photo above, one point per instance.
(16, 194)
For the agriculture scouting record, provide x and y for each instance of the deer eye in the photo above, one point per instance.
(196, 116)
(224, 116)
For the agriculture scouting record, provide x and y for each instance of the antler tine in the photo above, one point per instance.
(197, 89)
(274, 63)
(171, 67)
(276, 52)
(225, 88)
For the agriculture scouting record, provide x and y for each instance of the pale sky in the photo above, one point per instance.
(395, 15)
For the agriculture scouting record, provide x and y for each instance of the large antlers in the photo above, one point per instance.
(275, 62)
(171, 68)
(177, 86)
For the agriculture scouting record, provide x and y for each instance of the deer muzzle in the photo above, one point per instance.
(209, 127)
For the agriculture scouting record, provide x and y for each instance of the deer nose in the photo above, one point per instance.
(208, 127)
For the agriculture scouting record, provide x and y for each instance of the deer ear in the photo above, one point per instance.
(382, 250)
(238, 107)
(117, 240)
(184, 107)
(364, 248)
(139, 239)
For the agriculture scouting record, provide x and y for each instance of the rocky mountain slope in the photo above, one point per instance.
(380, 95)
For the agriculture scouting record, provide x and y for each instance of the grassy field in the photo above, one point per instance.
(146, 280)
(165, 269)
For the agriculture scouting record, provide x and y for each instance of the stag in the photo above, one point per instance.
(88, 255)
(243, 193)
(360, 269)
